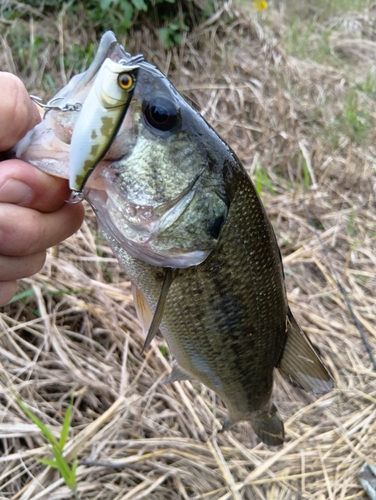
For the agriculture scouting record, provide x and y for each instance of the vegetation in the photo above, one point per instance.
(172, 18)
(67, 472)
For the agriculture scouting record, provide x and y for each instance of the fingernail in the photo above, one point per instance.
(15, 191)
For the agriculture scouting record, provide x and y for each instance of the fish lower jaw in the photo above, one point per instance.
(45, 151)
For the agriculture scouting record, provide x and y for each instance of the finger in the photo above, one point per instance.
(24, 231)
(14, 268)
(24, 185)
(7, 291)
(18, 113)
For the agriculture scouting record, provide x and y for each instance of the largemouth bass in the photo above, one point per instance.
(186, 223)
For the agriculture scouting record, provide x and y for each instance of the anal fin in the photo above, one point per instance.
(300, 363)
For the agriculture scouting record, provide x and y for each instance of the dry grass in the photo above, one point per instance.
(305, 131)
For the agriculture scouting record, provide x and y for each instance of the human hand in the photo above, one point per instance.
(33, 212)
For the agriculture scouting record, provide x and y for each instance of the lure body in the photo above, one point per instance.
(99, 120)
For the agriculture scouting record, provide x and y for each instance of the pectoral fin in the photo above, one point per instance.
(144, 315)
(176, 375)
(300, 363)
(158, 315)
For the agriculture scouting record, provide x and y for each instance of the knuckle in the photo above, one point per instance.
(35, 234)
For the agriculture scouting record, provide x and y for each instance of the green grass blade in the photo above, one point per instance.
(74, 466)
(22, 295)
(258, 186)
(73, 485)
(45, 430)
(65, 429)
(50, 463)
(62, 465)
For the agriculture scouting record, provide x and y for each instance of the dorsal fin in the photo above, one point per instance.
(158, 314)
(300, 363)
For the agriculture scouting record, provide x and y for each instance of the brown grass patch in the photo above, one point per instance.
(76, 331)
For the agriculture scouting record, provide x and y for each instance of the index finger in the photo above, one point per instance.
(18, 113)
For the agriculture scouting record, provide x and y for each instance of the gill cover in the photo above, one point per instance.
(99, 119)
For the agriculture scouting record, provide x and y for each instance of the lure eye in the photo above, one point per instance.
(161, 113)
(125, 81)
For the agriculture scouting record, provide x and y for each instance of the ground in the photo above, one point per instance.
(292, 90)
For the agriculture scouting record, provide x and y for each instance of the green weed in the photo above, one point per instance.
(164, 351)
(368, 86)
(67, 472)
(306, 177)
(171, 35)
(172, 17)
(308, 33)
(261, 179)
(333, 7)
(320, 10)
(354, 120)
(27, 294)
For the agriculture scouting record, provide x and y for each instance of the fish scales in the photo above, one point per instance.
(185, 221)
(225, 319)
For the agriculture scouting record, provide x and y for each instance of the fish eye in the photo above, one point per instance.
(161, 113)
(125, 81)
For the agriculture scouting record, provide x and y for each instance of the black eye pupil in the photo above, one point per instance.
(161, 113)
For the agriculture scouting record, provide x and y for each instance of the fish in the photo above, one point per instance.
(186, 223)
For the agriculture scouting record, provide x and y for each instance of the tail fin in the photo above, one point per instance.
(269, 427)
(300, 362)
